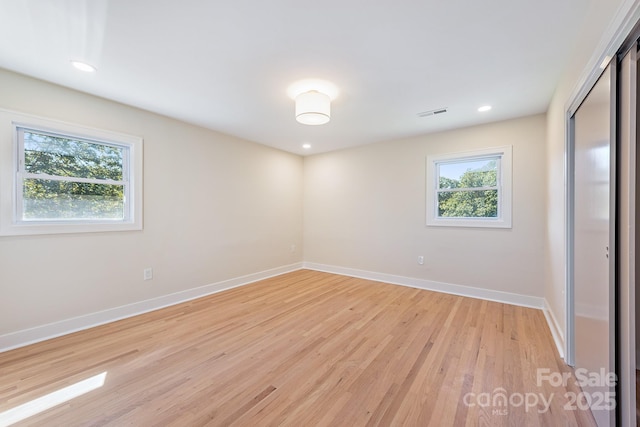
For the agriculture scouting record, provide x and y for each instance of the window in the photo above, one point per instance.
(470, 189)
(66, 178)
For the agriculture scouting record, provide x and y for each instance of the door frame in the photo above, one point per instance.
(627, 238)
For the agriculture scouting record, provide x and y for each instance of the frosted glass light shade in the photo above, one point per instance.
(313, 108)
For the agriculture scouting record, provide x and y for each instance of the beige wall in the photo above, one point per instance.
(215, 208)
(364, 208)
(597, 22)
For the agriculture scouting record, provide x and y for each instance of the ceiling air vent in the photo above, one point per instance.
(432, 112)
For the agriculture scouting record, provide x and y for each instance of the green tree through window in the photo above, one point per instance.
(473, 195)
(68, 178)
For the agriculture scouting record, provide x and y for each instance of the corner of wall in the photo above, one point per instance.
(554, 327)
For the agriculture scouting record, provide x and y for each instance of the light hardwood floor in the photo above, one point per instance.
(302, 349)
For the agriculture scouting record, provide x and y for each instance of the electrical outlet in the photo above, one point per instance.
(148, 274)
(421, 260)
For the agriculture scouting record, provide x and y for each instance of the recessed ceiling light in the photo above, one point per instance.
(306, 146)
(484, 108)
(605, 62)
(83, 66)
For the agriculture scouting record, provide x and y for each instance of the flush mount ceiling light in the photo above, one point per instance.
(313, 100)
(83, 66)
(313, 108)
(484, 108)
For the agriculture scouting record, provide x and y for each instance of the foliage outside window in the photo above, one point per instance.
(71, 179)
(67, 178)
(470, 189)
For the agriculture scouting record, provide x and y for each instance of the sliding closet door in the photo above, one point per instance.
(593, 251)
(627, 240)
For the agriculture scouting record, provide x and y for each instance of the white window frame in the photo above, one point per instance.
(504, 187)
(12, 174)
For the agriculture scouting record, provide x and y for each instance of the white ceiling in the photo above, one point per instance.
(226, 65)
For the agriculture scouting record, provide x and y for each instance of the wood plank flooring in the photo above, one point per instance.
(303, 349)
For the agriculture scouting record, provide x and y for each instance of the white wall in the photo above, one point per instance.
(364, 208)
(215, 208)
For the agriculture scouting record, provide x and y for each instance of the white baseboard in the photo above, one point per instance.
(554, 326)
(448, 288)
(41, 333)
(592, 311)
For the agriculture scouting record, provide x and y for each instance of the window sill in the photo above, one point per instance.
(469, 223)
(25, 229)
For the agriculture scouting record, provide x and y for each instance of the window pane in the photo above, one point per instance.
(468, 174)
(60, 156)
(57, 200)
(468, 204)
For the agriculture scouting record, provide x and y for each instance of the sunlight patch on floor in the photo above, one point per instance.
(50, 400)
